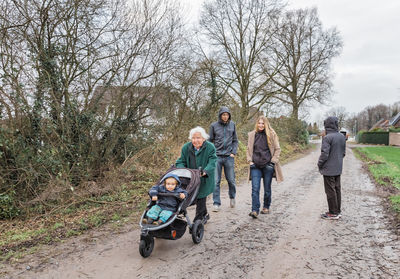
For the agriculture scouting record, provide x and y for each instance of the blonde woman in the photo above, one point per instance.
(263, 152)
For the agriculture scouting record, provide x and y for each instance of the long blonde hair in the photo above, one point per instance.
(267, 127)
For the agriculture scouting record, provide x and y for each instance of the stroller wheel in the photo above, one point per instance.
(146, 246)
(197, 231)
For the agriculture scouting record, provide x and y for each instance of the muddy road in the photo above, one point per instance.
(290, 242)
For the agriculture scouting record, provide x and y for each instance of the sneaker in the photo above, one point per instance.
(329, 216)
(233, 203)
(265, 211)
(216, 207)
(339, 215)
(253, 214)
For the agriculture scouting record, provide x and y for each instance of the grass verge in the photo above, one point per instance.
(20, 237)
(383, 163)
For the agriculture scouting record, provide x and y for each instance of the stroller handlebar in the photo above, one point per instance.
(176, 195)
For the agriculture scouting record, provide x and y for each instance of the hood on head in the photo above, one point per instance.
(172, 175)
(331, 123)
(222, 110)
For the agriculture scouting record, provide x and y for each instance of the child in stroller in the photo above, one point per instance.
(166, 205)
(173, 227)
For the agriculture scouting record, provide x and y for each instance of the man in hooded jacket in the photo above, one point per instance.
(223, 136)
(330, 164)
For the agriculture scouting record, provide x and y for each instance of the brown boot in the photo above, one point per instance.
(147, 221)
(158, 222)
(253, 214)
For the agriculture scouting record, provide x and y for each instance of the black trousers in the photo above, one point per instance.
(333, 193)
(201, 209)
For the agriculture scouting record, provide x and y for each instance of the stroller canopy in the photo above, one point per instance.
(190, 181)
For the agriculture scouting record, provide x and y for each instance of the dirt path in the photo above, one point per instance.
(291, 242)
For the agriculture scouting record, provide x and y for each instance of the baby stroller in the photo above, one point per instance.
(175, 227)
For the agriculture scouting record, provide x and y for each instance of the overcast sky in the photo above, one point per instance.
(368, 70)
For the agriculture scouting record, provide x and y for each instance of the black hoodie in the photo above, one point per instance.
(223, 135)
(333, 149)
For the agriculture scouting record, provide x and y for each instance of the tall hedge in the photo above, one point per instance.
(374, 138)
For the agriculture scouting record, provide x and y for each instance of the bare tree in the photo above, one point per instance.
(298, 61)
(238, 32)
(372, 115)
(53, 56)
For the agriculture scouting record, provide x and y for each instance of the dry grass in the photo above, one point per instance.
(118, 198)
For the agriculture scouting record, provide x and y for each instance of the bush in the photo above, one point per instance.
(374, 138)
(7, 207)
(359, 135)
(291, 130)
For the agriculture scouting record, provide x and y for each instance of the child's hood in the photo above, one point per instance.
(172, 175)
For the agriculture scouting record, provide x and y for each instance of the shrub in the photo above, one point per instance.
(374, 138)
(359, 135)
(7, 208)
(291, 130)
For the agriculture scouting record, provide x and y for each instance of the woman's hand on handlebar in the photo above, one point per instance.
(182, 196)
(154, 198)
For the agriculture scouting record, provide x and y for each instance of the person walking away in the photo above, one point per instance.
(223, 136)
(330, 164)
(196, 153)
(263, 152)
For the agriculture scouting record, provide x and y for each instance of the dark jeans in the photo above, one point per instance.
(228, 163)
(333, 193)
(201, 209)
(266, 174)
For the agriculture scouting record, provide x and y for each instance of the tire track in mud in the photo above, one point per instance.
(236, 244)
(290, 242)
(360, 245)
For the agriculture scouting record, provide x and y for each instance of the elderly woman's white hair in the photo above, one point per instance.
(200, 130)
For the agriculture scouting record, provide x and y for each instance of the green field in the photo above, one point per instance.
(384, 164)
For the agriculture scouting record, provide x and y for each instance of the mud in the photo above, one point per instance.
(290, 242)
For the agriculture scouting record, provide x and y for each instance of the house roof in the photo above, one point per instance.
(379, 124)
(394, 120)
(104, 96)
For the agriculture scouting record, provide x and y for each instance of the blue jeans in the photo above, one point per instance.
(266, 174)
(228, 163)
(156, 212)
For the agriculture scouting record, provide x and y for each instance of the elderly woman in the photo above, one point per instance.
(200, 153)
(263, 152)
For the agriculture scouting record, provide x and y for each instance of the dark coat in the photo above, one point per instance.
(206, 158)
(333, 149)
(166, 202)
(223, 135)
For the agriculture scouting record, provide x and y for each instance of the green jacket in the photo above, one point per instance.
(206, 158)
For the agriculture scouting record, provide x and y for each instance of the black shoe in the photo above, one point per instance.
(206, 218)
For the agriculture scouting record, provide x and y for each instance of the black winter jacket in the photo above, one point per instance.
(333, 149)
(223, 135)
